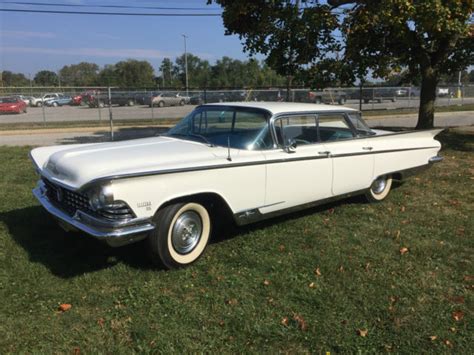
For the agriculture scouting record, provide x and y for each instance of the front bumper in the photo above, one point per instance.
(114, 233)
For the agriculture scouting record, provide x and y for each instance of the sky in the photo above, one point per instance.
(30, 42)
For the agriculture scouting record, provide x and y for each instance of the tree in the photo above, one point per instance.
(471, 76)
(46, 78)
(290, 35)
(198, 70)
(134, 73)
(169, 74)
(82, 74)
(7, 78)
(108, 76)
(428, 38)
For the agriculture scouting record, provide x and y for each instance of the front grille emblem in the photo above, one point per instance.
(59, 194)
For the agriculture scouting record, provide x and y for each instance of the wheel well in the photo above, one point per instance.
(217, 207)
(397, 176)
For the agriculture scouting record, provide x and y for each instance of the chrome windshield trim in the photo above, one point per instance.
(100, 229)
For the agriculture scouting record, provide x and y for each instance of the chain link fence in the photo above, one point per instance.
(71, 104)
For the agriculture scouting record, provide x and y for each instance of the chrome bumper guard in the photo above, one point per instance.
(114, 233)
(435, 159)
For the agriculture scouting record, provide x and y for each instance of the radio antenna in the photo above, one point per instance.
(228, 149)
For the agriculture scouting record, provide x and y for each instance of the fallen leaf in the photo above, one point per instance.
(64, 307)
(460, 231)
(403, 250)
(452, 329)
(312, 285)
(402, 209)
(397, 234)
(433, 337)
(221, 323)
(468, 278)
(284, 321)
(331, 211)
(266, 282)
(232, 302)
(317, 271)
(76, 351)
(101, 322)
(405, 221)
(341, 268)
(301, 322)
(367, 267)
(448, 343)
(362, 332)
(281, 248)
(458, 315)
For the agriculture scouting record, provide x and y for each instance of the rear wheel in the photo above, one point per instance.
(379, 189)
(318, 100)
(181, 235)
(161, 104)
(342, 100)
(39, 104)
(130, 103)
(181, 103)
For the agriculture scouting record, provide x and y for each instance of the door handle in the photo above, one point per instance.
(327, 153)
(367, 148)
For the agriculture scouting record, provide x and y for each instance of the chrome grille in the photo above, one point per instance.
(71, 201)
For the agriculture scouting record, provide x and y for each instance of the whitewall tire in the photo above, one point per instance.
(379, 189)
(181, 235)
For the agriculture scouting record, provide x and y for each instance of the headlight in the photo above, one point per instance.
(101, 197)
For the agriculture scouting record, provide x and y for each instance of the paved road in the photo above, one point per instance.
(87, 135)
(84, 113)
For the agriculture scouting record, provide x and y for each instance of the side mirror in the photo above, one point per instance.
(290, 146)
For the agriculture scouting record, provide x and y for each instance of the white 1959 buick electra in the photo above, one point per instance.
(249, 161)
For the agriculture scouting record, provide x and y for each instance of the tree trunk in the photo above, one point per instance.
(429, 81)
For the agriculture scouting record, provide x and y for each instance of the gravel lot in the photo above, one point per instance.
(84, 113)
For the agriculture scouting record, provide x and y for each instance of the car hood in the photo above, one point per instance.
(78, 165)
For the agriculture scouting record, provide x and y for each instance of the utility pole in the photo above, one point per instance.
(186, 64)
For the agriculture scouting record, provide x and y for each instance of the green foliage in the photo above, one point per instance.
(134, 73)
(7, 78)
(82, 74)
(46, 78)
(290, 34)
(222, 304)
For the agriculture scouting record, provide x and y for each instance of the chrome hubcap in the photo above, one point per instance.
(379, 185)
(186, 232)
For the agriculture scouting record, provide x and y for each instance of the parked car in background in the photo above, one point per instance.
(327, 97)
(59, 101)
(25, 99)
(242, 162)
(12, 104)
(50, 96)
(407, 92)
(36, 101)
(166, 99)
(76, 100)
(101, 99)
(444, 92)
(378, 95)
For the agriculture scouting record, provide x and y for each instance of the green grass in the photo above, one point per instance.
(120, 303)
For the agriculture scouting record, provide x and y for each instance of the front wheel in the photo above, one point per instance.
(379, 189)
(181, 235)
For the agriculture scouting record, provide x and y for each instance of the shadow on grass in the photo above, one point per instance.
(66, 254)
(456, 140)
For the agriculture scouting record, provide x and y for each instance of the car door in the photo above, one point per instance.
(300, 175)
(352, 161)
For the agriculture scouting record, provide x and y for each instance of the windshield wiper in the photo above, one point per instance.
(200, 136)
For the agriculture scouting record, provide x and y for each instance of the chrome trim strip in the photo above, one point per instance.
(435, 159)
(112, 232)
(238, 165)
(256, 215)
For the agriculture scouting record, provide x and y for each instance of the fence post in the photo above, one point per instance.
(110, 115)
(152, 110)
(42, 108)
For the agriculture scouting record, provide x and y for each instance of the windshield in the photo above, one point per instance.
(8, 100)
(359, 124)
(238, 127)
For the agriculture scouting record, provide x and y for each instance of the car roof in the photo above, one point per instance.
(284, 107)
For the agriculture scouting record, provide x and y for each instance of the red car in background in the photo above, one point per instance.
(12, 105)
(76, 100)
